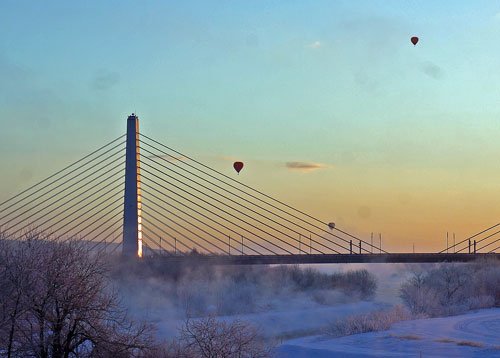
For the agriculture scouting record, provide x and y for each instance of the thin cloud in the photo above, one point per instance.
(432, 70)
(169, 158)
(305, 167)
(315, 45)
(227, 158)
(105, 80)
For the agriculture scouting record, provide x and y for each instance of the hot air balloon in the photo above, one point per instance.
(331, 226)
(238, 166)
(414, 40)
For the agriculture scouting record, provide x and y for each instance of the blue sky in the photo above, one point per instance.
(270, 82)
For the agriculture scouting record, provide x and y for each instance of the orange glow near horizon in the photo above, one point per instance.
(407, 206)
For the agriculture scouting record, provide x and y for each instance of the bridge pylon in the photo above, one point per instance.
(132, 211)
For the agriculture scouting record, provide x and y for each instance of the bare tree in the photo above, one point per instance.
(417, 295)
(16, 283)
(209, 338)
(452, 288)
(59, 304)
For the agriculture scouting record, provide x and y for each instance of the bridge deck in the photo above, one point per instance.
(327, 258)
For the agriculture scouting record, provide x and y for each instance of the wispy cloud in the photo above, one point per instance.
(227, 158)
(315, 45)
(305, 167)
(105, 80)
(432, 70)
(272, 164)
(169, 158)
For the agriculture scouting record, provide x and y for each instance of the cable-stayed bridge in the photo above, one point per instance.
(138, 197)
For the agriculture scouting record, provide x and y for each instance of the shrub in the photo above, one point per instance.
(369, 322)
(470, 344)
(208, 337)
(226, 290)
(453, 288)
(358, 283)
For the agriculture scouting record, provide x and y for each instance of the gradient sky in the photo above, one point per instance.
(406, 138)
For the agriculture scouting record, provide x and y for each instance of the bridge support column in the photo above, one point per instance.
(132, 222)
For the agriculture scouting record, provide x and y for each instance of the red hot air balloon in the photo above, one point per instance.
(414, 40)
(238, 166)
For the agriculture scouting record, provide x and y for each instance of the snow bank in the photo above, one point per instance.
(474, 334)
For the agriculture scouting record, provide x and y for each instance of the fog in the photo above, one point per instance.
(281, 300)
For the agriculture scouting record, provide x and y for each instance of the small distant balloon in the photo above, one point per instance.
(414, 40)
(331, 226)
(238, 166)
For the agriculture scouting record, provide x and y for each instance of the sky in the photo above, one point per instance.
(329, 105)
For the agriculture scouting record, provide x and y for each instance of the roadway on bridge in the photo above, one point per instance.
(324, 258)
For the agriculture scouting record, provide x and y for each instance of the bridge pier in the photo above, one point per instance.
(132, 221)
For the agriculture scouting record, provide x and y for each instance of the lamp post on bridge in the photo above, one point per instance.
(132, 210)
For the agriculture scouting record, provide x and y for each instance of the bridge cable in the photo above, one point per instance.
(142, 169)
(225, 204)
(481, 240)
(97, 243)
(261, 193)
(470, 237)
(148, 229)
(53, 232)
(81, 232)
(214, 213)
(240, 197)
(185, 228)
(59, 172)
(246, 207)
(147, 248)
(87, 197)
(201, 221)
(158, 244)
(182, 226)
(55, 202)
(491, 243)
(168, 226)
(119, 236)
(181, 218)
(60, 192)
(113, 241)
(205, 216)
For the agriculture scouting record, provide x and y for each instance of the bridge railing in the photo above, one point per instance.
(484, 241)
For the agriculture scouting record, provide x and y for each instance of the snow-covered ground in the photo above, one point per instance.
(296, 314)
(470, 335)
(293, 315)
